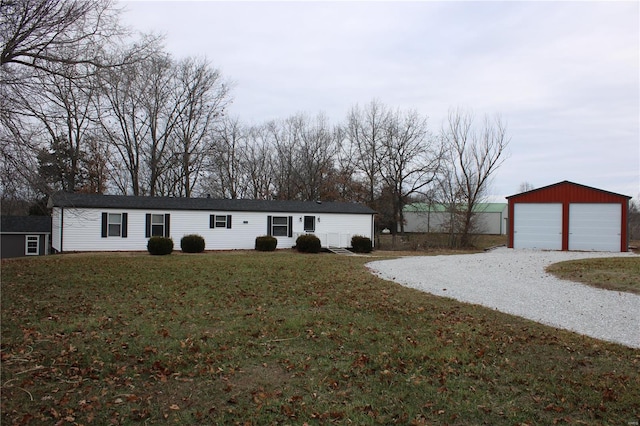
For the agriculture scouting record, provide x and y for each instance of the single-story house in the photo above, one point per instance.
(24, 236)
(90, 222)
(569, 216)
(490, 218)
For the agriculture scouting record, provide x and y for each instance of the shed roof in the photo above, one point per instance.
(567, 184)
(25, 224)
(435, 208)
(62, 199)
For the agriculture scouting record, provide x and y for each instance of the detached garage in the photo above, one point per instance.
(569, 216)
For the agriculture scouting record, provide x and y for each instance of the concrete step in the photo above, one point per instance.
(338, 250)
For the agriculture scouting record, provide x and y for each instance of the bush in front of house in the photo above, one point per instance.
(192, 244)
(361, 244)
(160, 245)
(308, 243)
(266, 243)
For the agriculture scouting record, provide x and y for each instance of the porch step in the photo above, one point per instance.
(338, 250)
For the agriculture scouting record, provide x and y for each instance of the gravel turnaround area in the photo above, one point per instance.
(515, 282)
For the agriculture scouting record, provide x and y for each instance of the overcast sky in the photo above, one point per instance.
(565, 76)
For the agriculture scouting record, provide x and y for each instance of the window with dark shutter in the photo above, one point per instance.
(281, 226)
(221, 221)
(114, 225)
(157, 225)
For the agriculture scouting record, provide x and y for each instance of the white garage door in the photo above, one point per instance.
(595, 227)
(537, 226)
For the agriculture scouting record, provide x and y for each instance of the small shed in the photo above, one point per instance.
(24, 236)
(569, 216)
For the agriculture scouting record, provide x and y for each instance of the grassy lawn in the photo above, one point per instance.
(615, 273)
(282, 338)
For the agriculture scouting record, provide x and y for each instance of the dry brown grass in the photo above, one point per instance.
(419, 242)
(284, 338)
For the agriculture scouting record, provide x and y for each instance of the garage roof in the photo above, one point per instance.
(566, 183)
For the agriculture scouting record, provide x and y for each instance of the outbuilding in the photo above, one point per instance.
(489, 218)
(569, 216)
(91, 222)
(24, 236)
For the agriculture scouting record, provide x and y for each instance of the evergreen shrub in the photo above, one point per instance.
(160, 245)
(361, 244)
(266, 243)
(308, 243)
(192, 244)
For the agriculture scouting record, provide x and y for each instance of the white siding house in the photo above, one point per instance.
(490, 218)
(88, 222)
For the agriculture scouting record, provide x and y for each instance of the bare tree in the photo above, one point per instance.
(366, 129)
(314, 155)
(43, 34)
(257, 159)
(634, 219)
(344, 182)
(160, 102)
(412, 159)
(124, 125)
(96, 157)
(526, 186)
(284, 135)
(203, 95)
(474, 154)
(448, 194)
(65, 112)
(226, 164)
(51, 46)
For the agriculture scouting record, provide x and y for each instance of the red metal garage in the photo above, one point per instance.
(568, 216)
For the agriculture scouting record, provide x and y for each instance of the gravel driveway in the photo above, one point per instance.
(514, 281)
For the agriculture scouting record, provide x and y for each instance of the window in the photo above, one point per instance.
(309, 223)
(219, 221)
(157, 225)
(114, 225)
(280, 226)
(32, 247)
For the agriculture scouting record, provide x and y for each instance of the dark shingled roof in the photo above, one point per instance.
(62, 199)
(25, 224)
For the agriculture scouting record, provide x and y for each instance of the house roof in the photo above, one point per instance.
(25, 224)
(566, 182)
(62, 199)
(435, 208)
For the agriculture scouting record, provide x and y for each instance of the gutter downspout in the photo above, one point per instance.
(61, 228)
